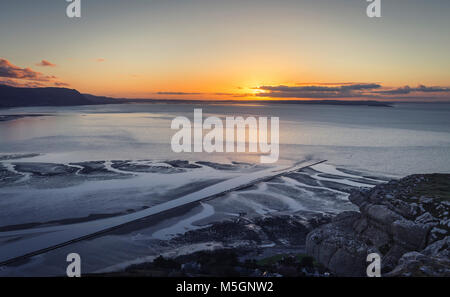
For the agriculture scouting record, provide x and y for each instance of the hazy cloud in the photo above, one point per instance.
(178, 93)
(61, 84)
(326, 83)
(20, 84)
(318, 91)
(347, 90)
(7, 69)
(45, 63)
(16, 76)
(206, 94)
(320, 88)
(233, 94)
(407, 90)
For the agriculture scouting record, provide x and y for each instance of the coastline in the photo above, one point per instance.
(305, 255)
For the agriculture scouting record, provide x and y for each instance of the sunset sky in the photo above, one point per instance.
(230, 49)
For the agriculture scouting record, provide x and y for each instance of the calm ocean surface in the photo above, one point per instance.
(408, 138)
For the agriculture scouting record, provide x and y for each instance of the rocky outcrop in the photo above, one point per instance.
(406, 222)
(288, 231)
(433, 261)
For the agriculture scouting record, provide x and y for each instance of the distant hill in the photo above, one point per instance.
(20, 97)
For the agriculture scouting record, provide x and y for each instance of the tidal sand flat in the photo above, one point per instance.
(158, 216)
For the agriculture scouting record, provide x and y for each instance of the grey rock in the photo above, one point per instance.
(382, 215)
(374, 237)
(439, 248)
(334, 246)
(419, 265)
(410, 233)
(426, 218)
(358, 198)
(45, 169)
(360, 225)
